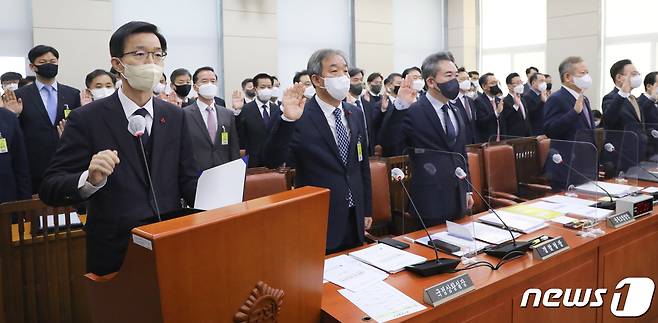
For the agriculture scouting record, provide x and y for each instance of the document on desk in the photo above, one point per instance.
(574, 209)
(383, 302)
(531, 210)
(465, 245)
(516, 222)
(616, 190)
(490, 234)
(568, 200)
(221, 186)
(387, 258)
(350, 273)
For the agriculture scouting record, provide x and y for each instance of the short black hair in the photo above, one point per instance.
(118, 39)
(547, 75)
(27, 80)
(510, 76)
(95, 73)
(40, 50)
(534, 77)
(391, 77)
(10, 76)
(163, 75)
(245, 81)
(179, 72)
(461, 69)
(261, 76)
(274, 78)
(298, 76)
(408, 70)
(483, 79)
(354, 71)
(650, 79)
(201, 69)
(527, 70)
(597, 114)
(471, 73)
(618, 67)
(373, 76)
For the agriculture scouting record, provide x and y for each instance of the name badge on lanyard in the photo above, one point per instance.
(224, 136)
(359, 149)
(67, 111)
(3, 145)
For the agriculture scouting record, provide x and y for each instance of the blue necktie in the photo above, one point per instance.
(52, 103)
(343, 146)
(266, 116)
(450, 128)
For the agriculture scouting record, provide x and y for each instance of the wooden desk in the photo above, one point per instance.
(601, 262)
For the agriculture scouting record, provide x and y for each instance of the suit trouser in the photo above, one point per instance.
(352, 237)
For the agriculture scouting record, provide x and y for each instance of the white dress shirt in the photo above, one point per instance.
(259, 103)
(85, 188)
(44, 93)
(204, 114)
(438, 105)
(328, 111)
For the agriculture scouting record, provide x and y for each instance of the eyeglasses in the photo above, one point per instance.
(141, 55)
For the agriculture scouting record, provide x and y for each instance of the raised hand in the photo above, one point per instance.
(367, 222)
(406, 93)
(60, 127)
(85, 97)
(499, 107)
(293, 102)
(517, 99)
(174, 99)
(383, 103)
(12, 103)
(101, 166)
(237, 100)
(543, 96)
(579, 103)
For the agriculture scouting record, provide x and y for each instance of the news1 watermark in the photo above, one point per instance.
(638, 297)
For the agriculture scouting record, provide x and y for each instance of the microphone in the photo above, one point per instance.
(654, 133)
(611, 149)
(430, 267)
(137, 127)
(610, 205)
(503, 249)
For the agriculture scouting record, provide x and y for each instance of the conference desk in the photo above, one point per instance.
(601, 262)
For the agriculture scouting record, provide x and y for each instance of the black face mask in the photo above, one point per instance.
(396, 89)
(183, 90)
(495, 90)
(376, 89)
(449, 89)
(549, 86)
(47, 70)
(250, 93)
(356, 89)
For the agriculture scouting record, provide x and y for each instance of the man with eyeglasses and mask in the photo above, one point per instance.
(42, 107)
(489, 109)
(101, 162)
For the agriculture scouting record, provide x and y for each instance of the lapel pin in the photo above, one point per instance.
(163, 120)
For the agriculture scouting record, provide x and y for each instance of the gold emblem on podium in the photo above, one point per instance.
(263, 305)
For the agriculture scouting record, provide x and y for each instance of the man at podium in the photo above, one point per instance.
(101, 161)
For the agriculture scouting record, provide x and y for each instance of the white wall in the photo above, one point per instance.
(417, 31)
(15, 35)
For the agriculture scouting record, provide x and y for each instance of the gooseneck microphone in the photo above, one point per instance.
(611, 149)
(430, 267)
(610, 205)
(503, 249)
(137, 127)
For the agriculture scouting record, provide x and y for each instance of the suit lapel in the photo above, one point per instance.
(429, 111)
(355, 133)
(321, 124)
(160, 135)
(198, 118)
(118, 124)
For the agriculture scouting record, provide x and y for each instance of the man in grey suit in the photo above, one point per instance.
(212, 127)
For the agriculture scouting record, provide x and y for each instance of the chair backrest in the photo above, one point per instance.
(41, 269)
(475, 172)
(543, 147)
(398, 197)
(381, 198)
(263, 184)
(500, 168)
(526, 159)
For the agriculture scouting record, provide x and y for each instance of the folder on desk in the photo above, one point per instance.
(516, 222)
(387, 258)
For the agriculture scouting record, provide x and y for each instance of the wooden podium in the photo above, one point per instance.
(241, 263)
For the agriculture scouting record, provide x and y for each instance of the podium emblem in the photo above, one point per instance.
(263, 305)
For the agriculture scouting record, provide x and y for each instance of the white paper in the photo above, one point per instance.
(74, 219)
(491, 234)
(616, 190)
(221, 186)
(517, 222)
(563, 219)
(459, 231)
(650, 190)
(383, 302)
(567, 200)
(387, 258)
(465, 245)
(577, 209)
(350, 273)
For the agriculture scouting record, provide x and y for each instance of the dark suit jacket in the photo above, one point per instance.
(207, 154)
(470, 130)
(125, 201)
(15, 183)
(619, 115)
(515, 124)
(437, 193)
(650, 112)
(487, 121)
(41, 136)
(368, 112)
(253, 132)
(311, 143)
(389, 129)
(535, 109)
(220, 102)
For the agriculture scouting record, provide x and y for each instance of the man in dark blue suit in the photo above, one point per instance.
(44, 104)
(355, 97)
(387, 120)
(568, 117)
(534, 101)
(466, 107)
(326, 138)
(515, 114)
(100, 161)
(14, 173)
(435, 125)
(647, 102)
(489, 108)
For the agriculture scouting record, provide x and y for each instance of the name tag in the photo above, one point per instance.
(549, 248)
(447, 290)
(224, 136)
(3, 146)
(67, 111)
(359, 150)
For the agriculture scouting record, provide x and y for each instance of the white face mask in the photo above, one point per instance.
(309, 92)
(100, 93)
(337, 86)
(583, 82)
(142, 77)
(542, 87)
(264, 95)
(208, 91)
(518, 89)
(471, 94)
(465, 85)
(418, 84)
(277, 92)
(636, 81)
(159, 88)
(10, 86)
